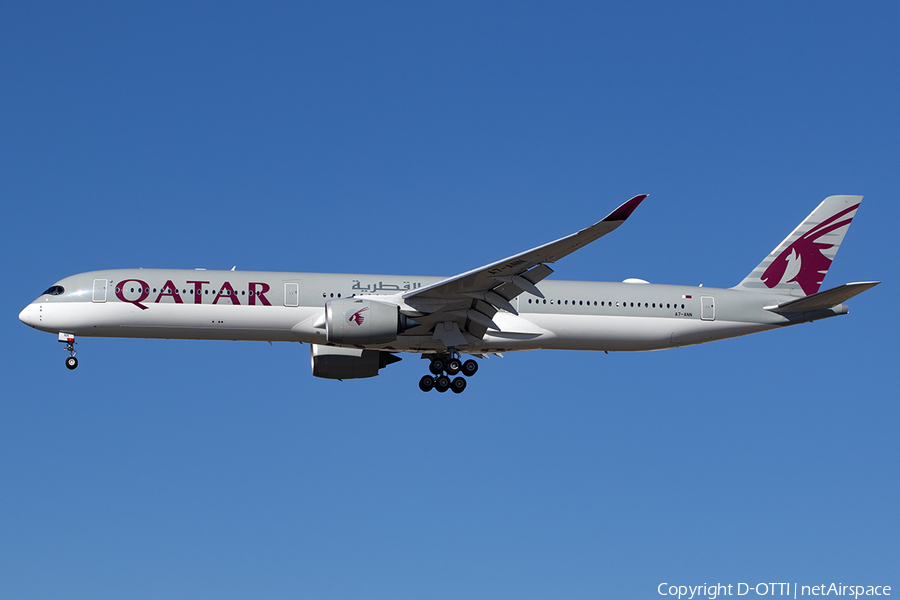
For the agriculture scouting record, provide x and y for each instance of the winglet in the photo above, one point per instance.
(624, 211)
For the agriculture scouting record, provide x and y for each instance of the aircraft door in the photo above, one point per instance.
(292, 293)
(99, 294)
(707, 308)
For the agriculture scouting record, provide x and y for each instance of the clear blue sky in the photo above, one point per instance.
(431, 139)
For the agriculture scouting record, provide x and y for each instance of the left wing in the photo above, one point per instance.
(468, 302)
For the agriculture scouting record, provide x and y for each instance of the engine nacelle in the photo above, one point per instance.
(348, 363)
(358, 322)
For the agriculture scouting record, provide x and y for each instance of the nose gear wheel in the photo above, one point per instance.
(69, 340)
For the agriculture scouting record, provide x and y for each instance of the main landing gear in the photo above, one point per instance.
(69, 340)
(444, 366)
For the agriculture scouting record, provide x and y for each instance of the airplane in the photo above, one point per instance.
(355, 324)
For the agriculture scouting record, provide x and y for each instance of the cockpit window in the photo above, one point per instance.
(56, 290)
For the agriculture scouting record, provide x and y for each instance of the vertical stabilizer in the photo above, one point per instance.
(798, 265)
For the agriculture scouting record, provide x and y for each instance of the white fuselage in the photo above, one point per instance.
(275, 306)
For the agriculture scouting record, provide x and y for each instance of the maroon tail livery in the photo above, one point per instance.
(810, 254)
(798, 265)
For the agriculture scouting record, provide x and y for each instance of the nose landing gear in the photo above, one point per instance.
(69, 340)
(444, 366)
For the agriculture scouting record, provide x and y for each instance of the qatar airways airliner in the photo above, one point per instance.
(356, 324)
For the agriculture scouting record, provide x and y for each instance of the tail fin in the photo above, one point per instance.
(798, 265)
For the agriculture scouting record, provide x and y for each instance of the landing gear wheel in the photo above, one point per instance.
(458, 385)
(469, 368)
(453, 366)
(426, 384)
(71, 363)
(437, 366)
(442, 384)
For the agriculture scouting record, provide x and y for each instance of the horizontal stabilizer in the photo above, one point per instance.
(824, 300)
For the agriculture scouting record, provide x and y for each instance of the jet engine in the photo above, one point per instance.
(348, 363)
(358, 322)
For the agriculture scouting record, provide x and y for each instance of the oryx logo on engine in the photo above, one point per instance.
(357, 317)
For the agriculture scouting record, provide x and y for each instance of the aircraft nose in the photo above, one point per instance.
(29, 315)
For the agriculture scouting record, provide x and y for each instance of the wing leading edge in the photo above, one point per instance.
(467, 303)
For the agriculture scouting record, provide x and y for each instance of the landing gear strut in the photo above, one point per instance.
(69, 340)
(442, 367)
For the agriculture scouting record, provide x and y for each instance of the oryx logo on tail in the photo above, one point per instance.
(804, 261)
(357, 317)
(797, 266)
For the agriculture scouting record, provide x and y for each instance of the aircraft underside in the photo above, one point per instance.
(601, 333)
(547, 331)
